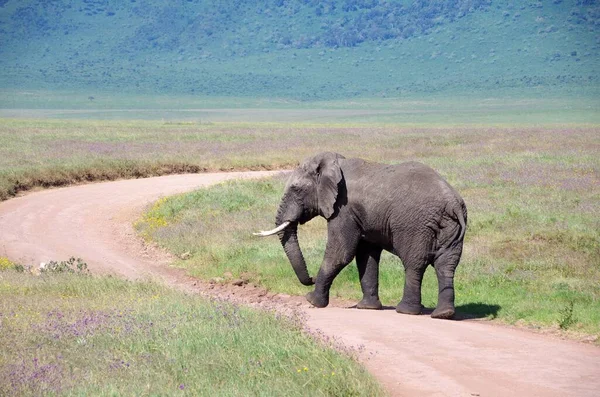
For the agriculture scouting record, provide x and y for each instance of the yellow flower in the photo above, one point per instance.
(306, 369)
(6, 263)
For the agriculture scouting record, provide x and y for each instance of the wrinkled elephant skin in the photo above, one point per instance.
(407, 209)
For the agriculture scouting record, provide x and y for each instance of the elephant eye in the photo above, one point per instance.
(299, 186)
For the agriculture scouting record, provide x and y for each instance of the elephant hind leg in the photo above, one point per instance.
(445, 267)
(411, 299)
(367, 262)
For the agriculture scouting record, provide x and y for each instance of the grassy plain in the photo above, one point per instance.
(504, 106)
(72, 334)
(532, 186)
(56, 147)
(533, 193)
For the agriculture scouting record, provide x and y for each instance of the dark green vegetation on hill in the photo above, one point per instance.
(301, 49)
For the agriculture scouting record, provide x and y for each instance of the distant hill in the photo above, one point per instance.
(300, 49)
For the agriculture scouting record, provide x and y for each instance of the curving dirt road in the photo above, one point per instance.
(410, 355)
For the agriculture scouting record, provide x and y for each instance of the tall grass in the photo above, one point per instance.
(71, 334)
(531, 252)
(46, 153)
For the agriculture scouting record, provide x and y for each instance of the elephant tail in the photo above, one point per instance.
(461, 215)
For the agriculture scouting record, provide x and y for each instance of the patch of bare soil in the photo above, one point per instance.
(410, 355)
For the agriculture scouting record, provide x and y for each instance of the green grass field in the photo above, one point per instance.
(72, 334)
(532, 192)
(533, 239)
(531, 253)
(187, 135)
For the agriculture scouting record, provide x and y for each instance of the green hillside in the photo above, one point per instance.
(300, 49)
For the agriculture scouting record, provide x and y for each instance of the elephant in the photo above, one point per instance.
(407, 209)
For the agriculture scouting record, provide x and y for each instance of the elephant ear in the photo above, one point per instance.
(329, 175)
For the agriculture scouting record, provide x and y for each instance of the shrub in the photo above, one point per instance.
(71, 265)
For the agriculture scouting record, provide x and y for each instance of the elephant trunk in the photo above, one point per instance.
(289, 241)
(290, 211)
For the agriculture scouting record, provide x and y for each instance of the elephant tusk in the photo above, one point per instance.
(274, 231)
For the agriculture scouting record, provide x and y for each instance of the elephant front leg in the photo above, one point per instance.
(327, 273)
(319, 297)
(341, 248)
(367, 262)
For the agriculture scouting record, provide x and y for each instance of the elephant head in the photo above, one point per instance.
(311, 190)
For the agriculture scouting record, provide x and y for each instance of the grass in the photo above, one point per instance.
(56, 153)
(72, 334)
(46, 153)
(531, 252)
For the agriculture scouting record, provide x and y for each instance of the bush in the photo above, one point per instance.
(71, 265)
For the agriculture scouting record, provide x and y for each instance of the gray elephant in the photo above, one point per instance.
(406, 209)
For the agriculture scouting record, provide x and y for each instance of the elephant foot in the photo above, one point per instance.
(443, 312)
(372, 304)
(316, 300)
(406, 308)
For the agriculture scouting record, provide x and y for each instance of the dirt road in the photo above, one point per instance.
(410, 355)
